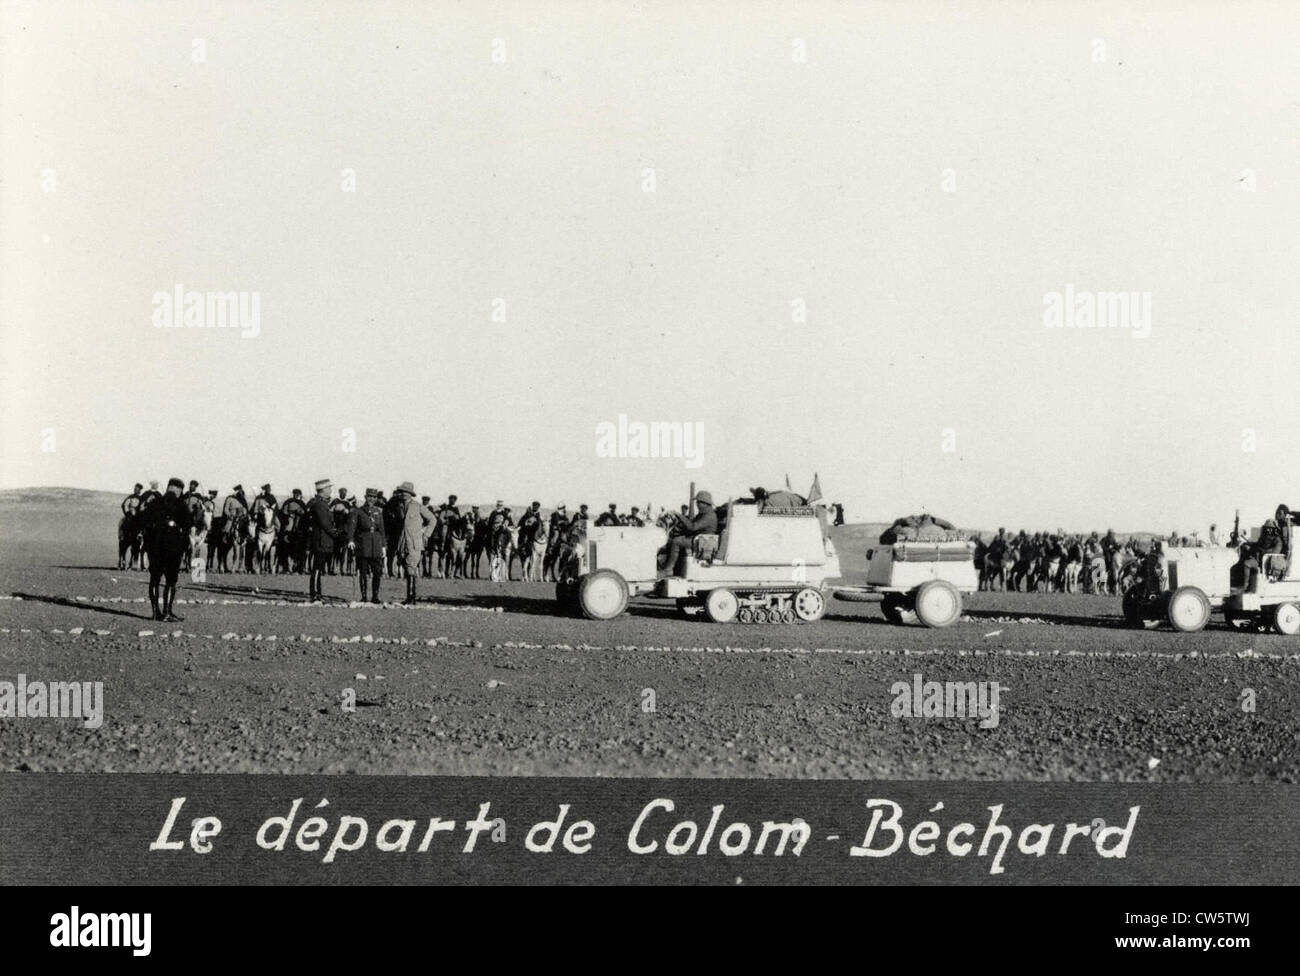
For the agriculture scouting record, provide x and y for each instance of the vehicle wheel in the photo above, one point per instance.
(938, 603)
(602, 595)
(1189, 609)
(1134, 607)
(892, 607)
(809, 604)
(721, 605)
(566, 593)
(746, 615)
(1286, 619)
(760, 615)
(788, 616)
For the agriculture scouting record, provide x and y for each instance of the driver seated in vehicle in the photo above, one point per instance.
(1253, 554)
(687, 529)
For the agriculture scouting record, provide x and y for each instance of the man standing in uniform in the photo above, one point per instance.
(321, 521)
(365, 537)
(167, 536)
(340, 510)
(127, 528)
(393, 529)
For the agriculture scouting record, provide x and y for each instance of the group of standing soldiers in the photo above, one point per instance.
(376, 534)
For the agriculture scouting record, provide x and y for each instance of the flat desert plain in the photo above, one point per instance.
(485, 678)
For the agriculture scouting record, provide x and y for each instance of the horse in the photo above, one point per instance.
(455, 558)
(1073, 567)
(1049, 573)
(555, 546)
(197, 546)
(232, 545)
(1115, 570)
(1094, 574)
(533, 546)
(265, 535)
(216, 532)
(504, 543)
(1003, 566)
(130, 542)
(1025, 568)
(434, 556)
(291, 543)
(478, 546)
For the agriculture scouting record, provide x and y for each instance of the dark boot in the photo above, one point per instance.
(153, 599)
(169, 597)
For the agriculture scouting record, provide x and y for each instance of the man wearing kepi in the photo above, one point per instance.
(321, 522)
(365, 535)
(167, 532)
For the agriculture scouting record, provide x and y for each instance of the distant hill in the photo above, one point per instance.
(59, 497)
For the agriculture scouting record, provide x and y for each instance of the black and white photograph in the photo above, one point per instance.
(650, 443)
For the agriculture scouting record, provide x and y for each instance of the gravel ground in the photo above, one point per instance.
(487, 679)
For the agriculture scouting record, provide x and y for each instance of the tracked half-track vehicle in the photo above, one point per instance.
(769, 564)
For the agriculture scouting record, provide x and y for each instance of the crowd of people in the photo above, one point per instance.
(378, 535)
(1096, 563)
(404, 535)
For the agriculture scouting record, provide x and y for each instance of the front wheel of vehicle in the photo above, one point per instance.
(602, 595)
(1189, 609)
(1286, 619)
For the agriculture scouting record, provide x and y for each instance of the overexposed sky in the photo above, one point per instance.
(919, 181)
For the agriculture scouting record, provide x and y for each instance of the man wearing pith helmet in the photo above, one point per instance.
(410, 542)
(705, 522)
